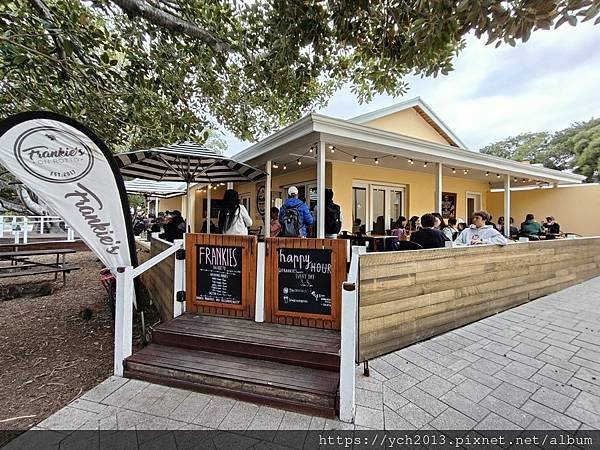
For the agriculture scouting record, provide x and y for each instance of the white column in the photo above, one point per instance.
(267, 218)
(321, 191)
(259, 308)
(178, 281)
(208, 197)
(25, 229)
(437, 206)
(123, 318)
(507, 205)
(230, 185)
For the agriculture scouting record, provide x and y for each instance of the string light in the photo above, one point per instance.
(497, 175)
(310, 150)
(465, 171)
(524, 180)
(284, 167)
(354, 159)
(394, 156)
(453, 170)
(515, 179)
(299, 162)
(410, 161)
(425, 164)
(332, 148)
(376, 161)
(487, 174)
(275, 165)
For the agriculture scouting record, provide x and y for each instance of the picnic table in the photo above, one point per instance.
(22, 265)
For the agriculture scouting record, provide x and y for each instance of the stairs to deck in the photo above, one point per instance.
(290, 367)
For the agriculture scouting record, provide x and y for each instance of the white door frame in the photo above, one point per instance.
(369, 187)
(475, 196)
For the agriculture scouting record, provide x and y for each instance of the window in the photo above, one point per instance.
(376, 207)
(473, 204)
(245, 200)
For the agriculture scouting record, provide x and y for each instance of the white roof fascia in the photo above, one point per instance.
(411, 103)
(458, 156)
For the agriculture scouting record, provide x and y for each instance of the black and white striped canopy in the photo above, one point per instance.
(187, 162)
(160, 189)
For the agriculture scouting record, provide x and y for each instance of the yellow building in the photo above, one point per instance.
(401, 160)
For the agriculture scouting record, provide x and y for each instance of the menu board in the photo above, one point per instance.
(219, 274)
(304, 280)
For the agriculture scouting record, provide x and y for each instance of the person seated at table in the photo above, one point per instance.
(429, 236)
(460, 226)
(440, 224)
(414, 223)
(480, 233)
(453, 226)
(551, 226)
(531, 226)
(398, 227)
(514, 231)
(174, 227)
(275, 225)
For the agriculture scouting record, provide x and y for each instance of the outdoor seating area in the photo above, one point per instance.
(21, 263)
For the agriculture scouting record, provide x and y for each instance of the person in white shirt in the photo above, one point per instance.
(480, 233)
(233, 216)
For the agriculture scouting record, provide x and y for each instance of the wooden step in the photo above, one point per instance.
(302, 389)
(300, 346)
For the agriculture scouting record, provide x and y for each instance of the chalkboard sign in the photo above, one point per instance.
(304, 280)
(219, 274)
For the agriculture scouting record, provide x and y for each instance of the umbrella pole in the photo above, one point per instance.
(208, 198)
(188, 207)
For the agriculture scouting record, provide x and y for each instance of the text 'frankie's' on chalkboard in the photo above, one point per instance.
(219, 274)
(304, 280)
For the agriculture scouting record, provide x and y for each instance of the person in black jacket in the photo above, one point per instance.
(428, 236)
(174, 228)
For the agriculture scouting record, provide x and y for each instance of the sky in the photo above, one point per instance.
(545, 84)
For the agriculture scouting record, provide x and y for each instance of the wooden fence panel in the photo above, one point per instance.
(273, 314)
(248, 245)
(159, 280)
(406, 297)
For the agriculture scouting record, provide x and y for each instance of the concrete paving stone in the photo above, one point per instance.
(334, 424)
(508, 411)
(144, 399)
(483, 378)
(450, 341)
(585, 363)
(151, 422)
(168, 402)
(294, 421)
(464, 405)
(472, 390)
(559, 353)
(567, 330)
(401, 383)
(486, 366)
(190, 407)
(165, 440)
(87, 405)
(527, 360)
(512, 395)
(452, 419)
(267, 418)
(586, 353)
(424, 349)
(549, 415)
(497, 358)
(376, 375)
(31, 441)
(394, 359)
(585, 386)
(459, 365)
(572, 347)
(534, 335)
(528, 350)
(591, 376)
(424, 400)
(457, 379)
(520, 369)
(239, 417)
(392, 399)
(439, 347)
(503, 340)
(589, 402)
(415, 415)
(463, 354)
(556, 373)
(369, 417)
(557, 362)
(496, 422)
(214, 412)
(128, 419)
(67, 418)
(317, 423)
(435, 386)
(415, 371)
(583, 344)
(104, 389)
(392, 421)
(125, 393)
(467, 334)
(367, 383)
(562, 336)
(384, 368)
(552, 399)
(556, 386)
(370, 399)
(583, 415)
(532, 342)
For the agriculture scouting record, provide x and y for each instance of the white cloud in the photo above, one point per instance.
(547, 83)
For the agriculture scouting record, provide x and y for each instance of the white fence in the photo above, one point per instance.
(22, 228)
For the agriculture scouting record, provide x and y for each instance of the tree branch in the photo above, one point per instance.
(169, 21)
(41, 7)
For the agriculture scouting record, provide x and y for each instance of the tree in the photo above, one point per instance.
(576, 148)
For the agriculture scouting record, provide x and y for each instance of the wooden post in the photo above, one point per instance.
(123, 318)
(320, 191)
(178, 280)
(437, 206)
(259, 311)
(267, 218)
(507, 205)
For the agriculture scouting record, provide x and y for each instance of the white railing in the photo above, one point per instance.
(125, 300)
(22, 228)
(349, 336)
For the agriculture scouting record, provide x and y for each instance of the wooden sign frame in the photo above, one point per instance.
(249, 253)
(338, 275)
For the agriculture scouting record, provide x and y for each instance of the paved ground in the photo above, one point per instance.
(533, 367)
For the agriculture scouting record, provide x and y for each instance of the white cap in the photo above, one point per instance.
(293, 190)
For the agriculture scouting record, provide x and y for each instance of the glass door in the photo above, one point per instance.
(378, 209)
(396, 206)
(359, 209)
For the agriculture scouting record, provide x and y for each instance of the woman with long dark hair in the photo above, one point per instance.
(440, 224)
(233, 216)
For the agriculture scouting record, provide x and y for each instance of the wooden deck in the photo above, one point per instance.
(290, 367)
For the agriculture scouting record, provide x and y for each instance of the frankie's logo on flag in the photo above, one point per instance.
(74, 173)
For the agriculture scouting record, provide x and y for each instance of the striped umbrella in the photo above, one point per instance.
(160, 189)
(187, 162)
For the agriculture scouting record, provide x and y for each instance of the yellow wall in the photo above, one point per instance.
(576, 209)
(420, 188)
(409, 123)
(171, 204)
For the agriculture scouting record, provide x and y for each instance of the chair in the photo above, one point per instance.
(406, 245)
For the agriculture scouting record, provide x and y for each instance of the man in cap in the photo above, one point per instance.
(294, 215)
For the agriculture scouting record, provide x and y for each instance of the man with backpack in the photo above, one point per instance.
(333, 216)
(294, 215)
